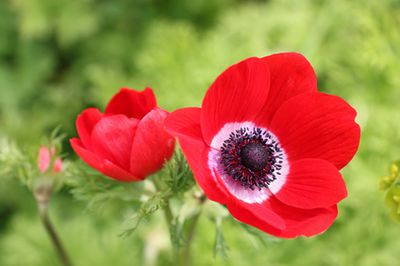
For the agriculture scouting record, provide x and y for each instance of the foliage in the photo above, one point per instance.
(391, 185)
(150, 206)
(100, 192)
(57, 57)
(177, 175)
(15, 164)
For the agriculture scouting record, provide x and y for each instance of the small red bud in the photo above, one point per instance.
(45, 158)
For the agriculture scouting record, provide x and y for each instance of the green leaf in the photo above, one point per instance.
(16, 164)
(97, 190)
(177, 175)
(148, 208)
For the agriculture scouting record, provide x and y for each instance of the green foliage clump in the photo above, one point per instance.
(391, 185)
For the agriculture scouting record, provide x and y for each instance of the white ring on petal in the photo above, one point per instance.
(226, 130)
(235, 187)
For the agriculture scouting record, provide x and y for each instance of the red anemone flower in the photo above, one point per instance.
(269, 146)
(128, 142)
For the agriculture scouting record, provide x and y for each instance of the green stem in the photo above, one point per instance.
(185, 257)
(42, 196)
(62, 254)
(167, 208)
(168, 214)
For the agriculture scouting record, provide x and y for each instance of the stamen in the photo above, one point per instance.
(252, 157)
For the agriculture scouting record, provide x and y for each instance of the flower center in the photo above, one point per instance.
(254, 156)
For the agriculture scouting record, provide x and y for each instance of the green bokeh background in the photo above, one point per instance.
(58, 57)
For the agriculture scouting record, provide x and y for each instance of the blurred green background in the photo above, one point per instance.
(58, 57)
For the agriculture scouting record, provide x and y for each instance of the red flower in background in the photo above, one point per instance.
(44, 160)
(269, 146)
(128, 142)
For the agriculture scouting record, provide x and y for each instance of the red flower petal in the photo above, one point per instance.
(152, 145)
(132, 103)
(246, 216)
(185, 124)
(112, 139)
(264, 215)
(104, 166)
(85, 124)
(300, 222)
(237, 95)
(317, 125)
(311, 183)
(291, 74)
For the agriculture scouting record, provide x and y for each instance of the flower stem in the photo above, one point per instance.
(185, 257)
(186, 252)
(42, 196)
(168, 214)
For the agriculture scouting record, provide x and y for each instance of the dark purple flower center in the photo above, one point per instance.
(252, 157)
